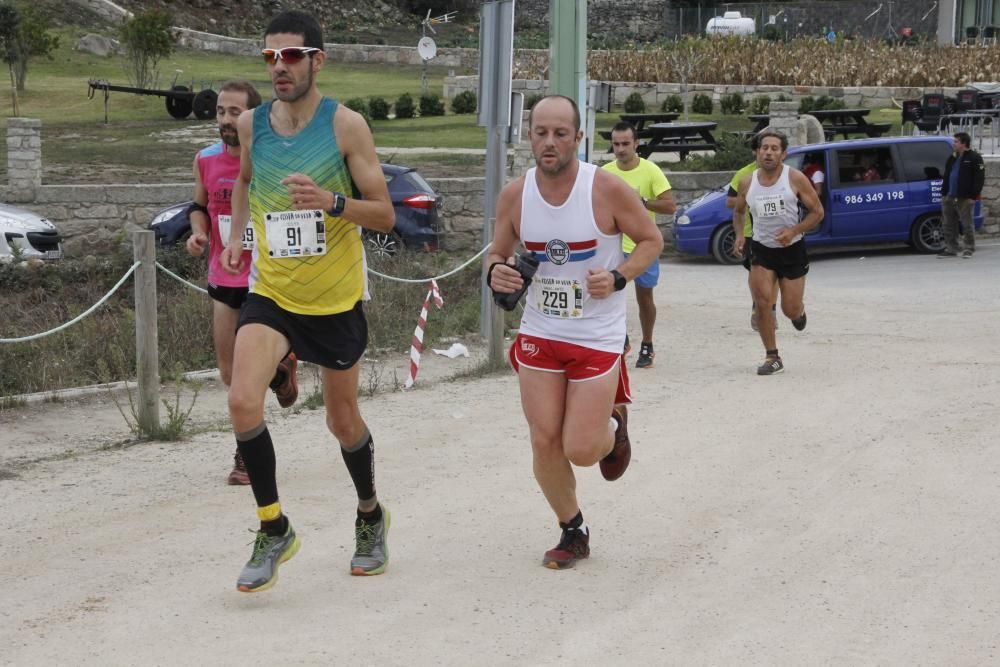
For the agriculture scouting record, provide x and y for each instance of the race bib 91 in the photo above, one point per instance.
(226, 227)
(295, 234)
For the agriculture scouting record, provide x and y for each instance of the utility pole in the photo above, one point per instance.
(568, 56)
(496, 61)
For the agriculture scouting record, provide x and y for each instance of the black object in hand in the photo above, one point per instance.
(526, 265)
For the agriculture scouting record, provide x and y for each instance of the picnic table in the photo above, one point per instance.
(639, 121)
(835, 121)
(682, 138)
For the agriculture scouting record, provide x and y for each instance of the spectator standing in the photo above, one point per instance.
(964, 174)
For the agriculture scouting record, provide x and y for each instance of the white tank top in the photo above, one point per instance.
(567, 243)
(774, 208)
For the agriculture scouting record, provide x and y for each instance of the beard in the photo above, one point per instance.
(559, 167)
(296, 93)
(230, 136)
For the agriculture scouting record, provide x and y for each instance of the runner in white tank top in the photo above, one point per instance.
(569, 349)
(774, 193)
(567, 243)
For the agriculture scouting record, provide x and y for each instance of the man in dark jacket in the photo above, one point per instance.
(964, 174)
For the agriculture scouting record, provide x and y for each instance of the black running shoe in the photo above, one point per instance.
(800, 322)
(646, 356)
(771, 366)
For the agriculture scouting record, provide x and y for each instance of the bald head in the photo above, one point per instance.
(556, 107)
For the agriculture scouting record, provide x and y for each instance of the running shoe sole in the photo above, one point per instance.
(292, 550)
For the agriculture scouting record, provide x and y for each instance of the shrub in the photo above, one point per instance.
(635, 104)
(404, 106)
(531, 100)
(783, 98)
(731, 154)
(359, 105)
(146, 37)
(807, 104)
(702, 104)
(672, 103)
(431, 105)
(760, 104)
(378, 108)
(464, 102)
(732, 103)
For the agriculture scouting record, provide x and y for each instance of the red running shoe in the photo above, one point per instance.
(614, 464)
(285, 384)
(574, 545)
(238, 475)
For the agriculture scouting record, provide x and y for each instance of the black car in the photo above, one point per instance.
(416, 205)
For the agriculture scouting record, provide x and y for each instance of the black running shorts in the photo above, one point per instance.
(331, 341)
(790, 262)
(747, 246)
(228, 296)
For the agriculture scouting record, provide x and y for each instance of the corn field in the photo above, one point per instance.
(802, 62)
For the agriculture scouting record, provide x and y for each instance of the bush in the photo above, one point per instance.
(783, 98)
(146, 37)
(378, 108)
(807, 104)
(635, 104)
(464, 102)
(531, 100)
(431, 105)
(359, 105)
(404, 106)
(732, 103)
(760, 104)
(702, 104)
(672, 103)
(731, 154)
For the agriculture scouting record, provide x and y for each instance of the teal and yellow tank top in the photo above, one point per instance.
(315, 285)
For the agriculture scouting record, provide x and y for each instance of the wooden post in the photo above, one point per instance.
(147, 356)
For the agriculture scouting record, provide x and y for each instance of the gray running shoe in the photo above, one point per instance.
(371, 554)
(261, 571)
(770, 366)
(966, 254)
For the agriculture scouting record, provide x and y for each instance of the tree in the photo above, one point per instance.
(146, 37)
(9, 18)
(32, 40)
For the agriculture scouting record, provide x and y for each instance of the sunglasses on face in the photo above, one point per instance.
(290, 54)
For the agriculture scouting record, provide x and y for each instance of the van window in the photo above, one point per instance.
(864, 166)
(924, 160)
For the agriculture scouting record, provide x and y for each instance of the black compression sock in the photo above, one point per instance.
(360, 461)
(257, 450)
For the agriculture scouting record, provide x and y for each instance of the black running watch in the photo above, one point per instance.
(619, 280)
(339, 202)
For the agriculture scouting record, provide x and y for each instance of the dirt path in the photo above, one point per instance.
(844, 512)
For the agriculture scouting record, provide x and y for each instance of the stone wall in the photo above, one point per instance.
(653, 94)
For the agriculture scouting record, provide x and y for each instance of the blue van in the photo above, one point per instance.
(876, 190)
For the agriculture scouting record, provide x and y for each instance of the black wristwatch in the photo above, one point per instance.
(644, 202)
(619, 280)
(339, 202)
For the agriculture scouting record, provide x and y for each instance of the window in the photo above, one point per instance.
(924, 160)
(865, 166)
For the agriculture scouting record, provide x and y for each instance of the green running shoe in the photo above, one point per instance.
(371, 554)
(261, 571)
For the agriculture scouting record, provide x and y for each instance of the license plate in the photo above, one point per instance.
(53, 254)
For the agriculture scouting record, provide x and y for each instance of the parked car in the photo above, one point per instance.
(416, 204)
(876, 190)
(33, 235)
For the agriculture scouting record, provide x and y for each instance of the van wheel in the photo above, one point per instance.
(927, 233)
(723, 242)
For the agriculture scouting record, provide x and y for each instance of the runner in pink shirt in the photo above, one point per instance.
(215, 170)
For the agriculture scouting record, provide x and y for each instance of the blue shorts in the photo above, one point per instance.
(650, 277)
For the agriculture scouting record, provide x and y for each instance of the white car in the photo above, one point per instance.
(36, 237)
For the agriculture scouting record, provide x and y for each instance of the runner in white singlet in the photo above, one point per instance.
(568, 352)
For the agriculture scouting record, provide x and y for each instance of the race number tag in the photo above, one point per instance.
(226, 226)
(559, 298)
(769, 206)
(295, 233)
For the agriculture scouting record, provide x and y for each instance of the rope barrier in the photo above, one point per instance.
(78, 317)
(177, 277)
(420, 281)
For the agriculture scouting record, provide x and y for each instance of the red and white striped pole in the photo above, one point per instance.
(417, 346)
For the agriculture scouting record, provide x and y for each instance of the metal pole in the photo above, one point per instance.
(147, 361)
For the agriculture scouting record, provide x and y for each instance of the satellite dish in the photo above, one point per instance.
(426, 48)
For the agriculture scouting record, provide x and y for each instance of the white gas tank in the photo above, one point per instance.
(730, 23)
